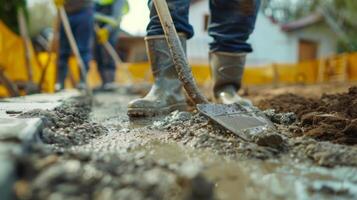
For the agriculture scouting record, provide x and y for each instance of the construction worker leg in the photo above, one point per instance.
(232, 22)
(179, 10)
(166, 94)
(109, 61)
(64, 53)
(98, 56)
(83, 24)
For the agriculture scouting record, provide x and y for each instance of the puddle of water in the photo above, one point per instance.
(255, 179)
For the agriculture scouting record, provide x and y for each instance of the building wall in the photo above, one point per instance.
(270, 44)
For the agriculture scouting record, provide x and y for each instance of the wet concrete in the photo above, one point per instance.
(181, 156)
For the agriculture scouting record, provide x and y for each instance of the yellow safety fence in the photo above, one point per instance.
(340, 68)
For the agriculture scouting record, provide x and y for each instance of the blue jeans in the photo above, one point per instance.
(105, 63)
(82, 27)
(232, 22)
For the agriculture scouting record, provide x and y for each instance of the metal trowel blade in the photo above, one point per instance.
(242, 121)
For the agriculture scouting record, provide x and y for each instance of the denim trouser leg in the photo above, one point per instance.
(179, 11)
(81, 24)
(64, 53)
(84, 33)
(104, 61)
(232, 22)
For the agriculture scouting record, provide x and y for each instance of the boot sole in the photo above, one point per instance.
(151, 112)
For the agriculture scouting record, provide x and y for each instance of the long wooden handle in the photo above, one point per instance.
(10, 86)
(27, 42)
(74, 47)
(181, 64)
(111, 51)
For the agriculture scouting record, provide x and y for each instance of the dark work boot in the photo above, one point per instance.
(227, 71)
(166, 93)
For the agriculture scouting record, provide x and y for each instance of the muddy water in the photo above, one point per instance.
(281, 177)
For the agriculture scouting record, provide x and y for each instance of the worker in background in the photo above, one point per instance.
(108, 17)
(231, 23)
(80, 15)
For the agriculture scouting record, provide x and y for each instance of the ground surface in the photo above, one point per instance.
(96, 152)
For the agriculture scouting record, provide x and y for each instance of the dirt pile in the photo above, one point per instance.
(68, 124)
(330, 118)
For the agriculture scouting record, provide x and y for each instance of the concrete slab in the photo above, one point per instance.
(22, 130)
(13, 109)
(44, 98)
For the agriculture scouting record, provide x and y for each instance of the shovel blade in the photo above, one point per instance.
(242, 121)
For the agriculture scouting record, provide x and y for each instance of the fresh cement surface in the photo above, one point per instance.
(92, 150)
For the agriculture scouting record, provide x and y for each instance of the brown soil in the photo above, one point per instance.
(330, 118)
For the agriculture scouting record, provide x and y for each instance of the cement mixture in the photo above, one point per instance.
(96, 152)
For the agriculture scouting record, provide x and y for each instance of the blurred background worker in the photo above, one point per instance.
(80, 15)
(108, 17)
(231, 23)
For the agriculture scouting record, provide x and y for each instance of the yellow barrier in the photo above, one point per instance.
(352, 67)
(337, 68)
(13, 63)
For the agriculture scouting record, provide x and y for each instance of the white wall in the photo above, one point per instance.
(270, 44)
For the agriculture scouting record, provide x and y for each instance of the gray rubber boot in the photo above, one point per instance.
(166, 94)
(109, 83)
(227, 71)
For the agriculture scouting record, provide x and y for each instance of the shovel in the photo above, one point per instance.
(242, 121)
